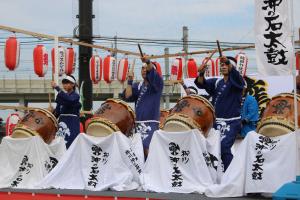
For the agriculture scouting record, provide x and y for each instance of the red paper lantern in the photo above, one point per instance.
(176, 69)
(298, 60)
(158, 67)
(242, 63)
(40, 60)
(61, 60)
(192, 68)
(11, 121)
(109, 69)
(95, 69)
(70, 61)
(12, 53)
(218, 67)
(211, 70)
(122, 69)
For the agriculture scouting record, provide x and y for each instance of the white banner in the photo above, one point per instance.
(273, 43)
(260, 165)
(26, 161)
(97, 163)
(182, 162)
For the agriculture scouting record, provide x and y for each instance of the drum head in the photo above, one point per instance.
(20, 132)
(100, 127)
(273, 130)
(179, 123)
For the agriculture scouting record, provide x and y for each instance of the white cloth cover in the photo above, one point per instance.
(26, 161)
(260, 165)
(97, 163)
(182, 162)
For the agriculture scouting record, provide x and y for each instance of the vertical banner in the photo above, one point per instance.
(273, 42)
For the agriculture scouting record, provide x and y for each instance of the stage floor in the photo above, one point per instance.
(122, 195)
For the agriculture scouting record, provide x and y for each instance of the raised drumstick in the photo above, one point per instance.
(140, 49)
(219, 48)
(206, 61)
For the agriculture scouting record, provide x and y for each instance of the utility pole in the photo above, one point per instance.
(85, 53)
(167, 75)
(185, 47)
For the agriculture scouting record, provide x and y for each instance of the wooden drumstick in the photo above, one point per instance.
(219, 48)
(132, 66)
(140, 49)
(206, 61)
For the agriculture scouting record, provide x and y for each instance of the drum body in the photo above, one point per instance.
(113, 115)
(191, 112)
(278, 117)
(37, 122)
(163, 116)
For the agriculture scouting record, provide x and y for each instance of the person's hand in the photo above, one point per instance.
(130, 76)
(53, 84)
(223, 59)
(202, 68)
(145, 59)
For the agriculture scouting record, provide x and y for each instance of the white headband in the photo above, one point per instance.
(69, 78)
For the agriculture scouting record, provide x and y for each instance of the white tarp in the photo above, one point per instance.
(273, 42)
(97, 163)
(260, 165)
(26, 161)
(181, 162)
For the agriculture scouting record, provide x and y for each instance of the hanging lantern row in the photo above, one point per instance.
(108, 67)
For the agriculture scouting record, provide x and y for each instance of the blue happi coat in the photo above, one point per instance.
(147, 105)
(226, 99)
(250, 115)
(67, 111)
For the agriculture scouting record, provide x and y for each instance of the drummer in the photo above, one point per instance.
(226, 97)
(67, 109)
(146, 95)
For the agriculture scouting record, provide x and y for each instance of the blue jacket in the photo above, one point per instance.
(226, 96)
(67, 103)
(249, 115)
(147, 97)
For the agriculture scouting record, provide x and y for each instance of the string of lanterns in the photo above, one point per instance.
(107, 68)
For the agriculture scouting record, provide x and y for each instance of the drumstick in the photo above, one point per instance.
(219, 48)
(206, 61)
(140, 49)
(132, 66)
(49, 97)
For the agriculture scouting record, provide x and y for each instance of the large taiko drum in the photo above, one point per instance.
(37, 122)
(113, 115)
(278, 117)
(191, 112)
(163, 116)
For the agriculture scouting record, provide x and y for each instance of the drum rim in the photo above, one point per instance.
(204, 100)
(277, 121)
(285, 94)
(105, 121)
(26, 129)
(48, 114)
(178, 117)
(123, 103)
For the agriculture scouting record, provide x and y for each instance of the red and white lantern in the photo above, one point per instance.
(218, 67)
(158, 67)
(192, 68)
(12, 53)
(70, 61)
(242, 63)
(40, 60)
(122, 69)
(176, 69)
(298, 60)
(11, 121)
(211, 70)
(109, 69)
(61, 60)
(95, 69)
